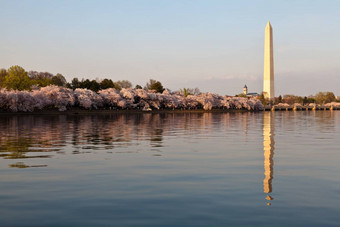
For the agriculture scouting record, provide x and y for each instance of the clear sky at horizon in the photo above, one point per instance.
(214, 45)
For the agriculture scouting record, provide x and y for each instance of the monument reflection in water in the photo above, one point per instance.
(268, 147)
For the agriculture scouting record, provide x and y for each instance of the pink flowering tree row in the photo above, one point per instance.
(61, 98)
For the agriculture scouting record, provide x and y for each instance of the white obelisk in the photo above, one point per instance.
(268, 75)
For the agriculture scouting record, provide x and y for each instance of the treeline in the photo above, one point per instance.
(96, 85)
(55, 97)
(17, 78)
(319, 98)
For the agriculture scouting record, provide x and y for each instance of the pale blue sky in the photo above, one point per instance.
(214, 45)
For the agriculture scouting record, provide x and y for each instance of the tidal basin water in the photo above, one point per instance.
(190, 169)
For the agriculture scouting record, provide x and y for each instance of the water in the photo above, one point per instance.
(193, 169)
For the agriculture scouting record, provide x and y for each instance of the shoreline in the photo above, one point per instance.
(300, 108)
(79, 111)
(76, 111)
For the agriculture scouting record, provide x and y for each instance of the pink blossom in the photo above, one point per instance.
(64, 98)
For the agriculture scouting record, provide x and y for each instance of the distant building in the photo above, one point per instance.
(245, 90)
(252, 94)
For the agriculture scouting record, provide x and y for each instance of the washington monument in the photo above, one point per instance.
(268, 75)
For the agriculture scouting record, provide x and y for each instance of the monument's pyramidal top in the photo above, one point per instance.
(268, 24)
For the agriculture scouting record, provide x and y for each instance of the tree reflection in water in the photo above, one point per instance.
(32, 136)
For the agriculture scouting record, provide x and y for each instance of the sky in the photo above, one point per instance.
(214, 45)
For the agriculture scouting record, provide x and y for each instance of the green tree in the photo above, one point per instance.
(190, 91)
(89, 84)
(185, 92)
(123, 84)
(149, 84)
(40, 78)
(75, 83)
(94, 86)
(3, 74)
(305, 100)
(154, 85)
(158, 87)
(241, 95)
(59, 80)
(106, 83)
(330, 97)
(85, 84)
(325, 97)
(17, 79)
(299, 99)
(289, 99)
(310, 100)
